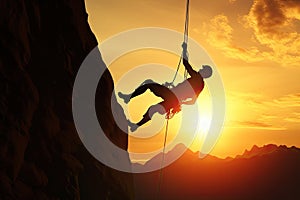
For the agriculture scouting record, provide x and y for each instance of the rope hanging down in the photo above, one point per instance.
(170, 113)
(163, 159)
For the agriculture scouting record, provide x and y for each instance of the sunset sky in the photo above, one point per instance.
(254, 45)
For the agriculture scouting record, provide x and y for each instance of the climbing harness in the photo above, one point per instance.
(173, 111)
(170, 114)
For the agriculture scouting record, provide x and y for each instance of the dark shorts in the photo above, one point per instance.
(170, 99)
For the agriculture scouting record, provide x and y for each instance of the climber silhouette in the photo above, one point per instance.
(186, 92)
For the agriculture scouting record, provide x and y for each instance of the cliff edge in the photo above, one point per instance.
(42, 44)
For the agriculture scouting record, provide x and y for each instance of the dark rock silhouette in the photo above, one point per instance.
(271, 172)
(42, 44)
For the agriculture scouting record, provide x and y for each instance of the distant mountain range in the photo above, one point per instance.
(268, 172)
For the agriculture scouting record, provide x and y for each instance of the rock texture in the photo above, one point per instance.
(42, 45)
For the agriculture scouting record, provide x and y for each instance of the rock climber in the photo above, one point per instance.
(186, 92)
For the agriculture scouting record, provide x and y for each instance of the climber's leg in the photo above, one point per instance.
(148, 84)
(158, 108)
(161, 108)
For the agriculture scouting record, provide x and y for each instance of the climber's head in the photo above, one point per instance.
(206, 71)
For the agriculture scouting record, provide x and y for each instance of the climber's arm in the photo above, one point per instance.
(188, 67)
(186, 63)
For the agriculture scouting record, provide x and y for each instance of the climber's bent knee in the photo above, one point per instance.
(148, 81)
(156, 109)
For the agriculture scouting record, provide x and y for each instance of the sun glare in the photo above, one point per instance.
(204, 119)
(204, 123)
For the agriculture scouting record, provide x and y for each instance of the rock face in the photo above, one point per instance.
(42, 45)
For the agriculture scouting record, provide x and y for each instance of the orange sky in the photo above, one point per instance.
(255, 46)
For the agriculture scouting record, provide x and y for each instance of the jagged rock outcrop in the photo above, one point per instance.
(42, 45)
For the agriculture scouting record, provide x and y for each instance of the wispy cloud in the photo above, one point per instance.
(219, 34)
(232, 1)
(264, 112)
(291, 100)
(255, 125)
(285, 101)
(294, 118)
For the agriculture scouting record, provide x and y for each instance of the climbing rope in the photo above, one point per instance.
(185, 40)
(171, 112)
(163, 159)
(186, 25)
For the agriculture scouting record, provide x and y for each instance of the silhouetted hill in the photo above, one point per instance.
(259, 151)
(269, 172)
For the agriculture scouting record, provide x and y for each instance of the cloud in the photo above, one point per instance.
(267, 16)
(291, 100)
(220, 32)
(256, 125)
(273, 26)
(220, 35)
(273, 17)
(273, 22)
(294, 118)
(251, 100)
(264, 112)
